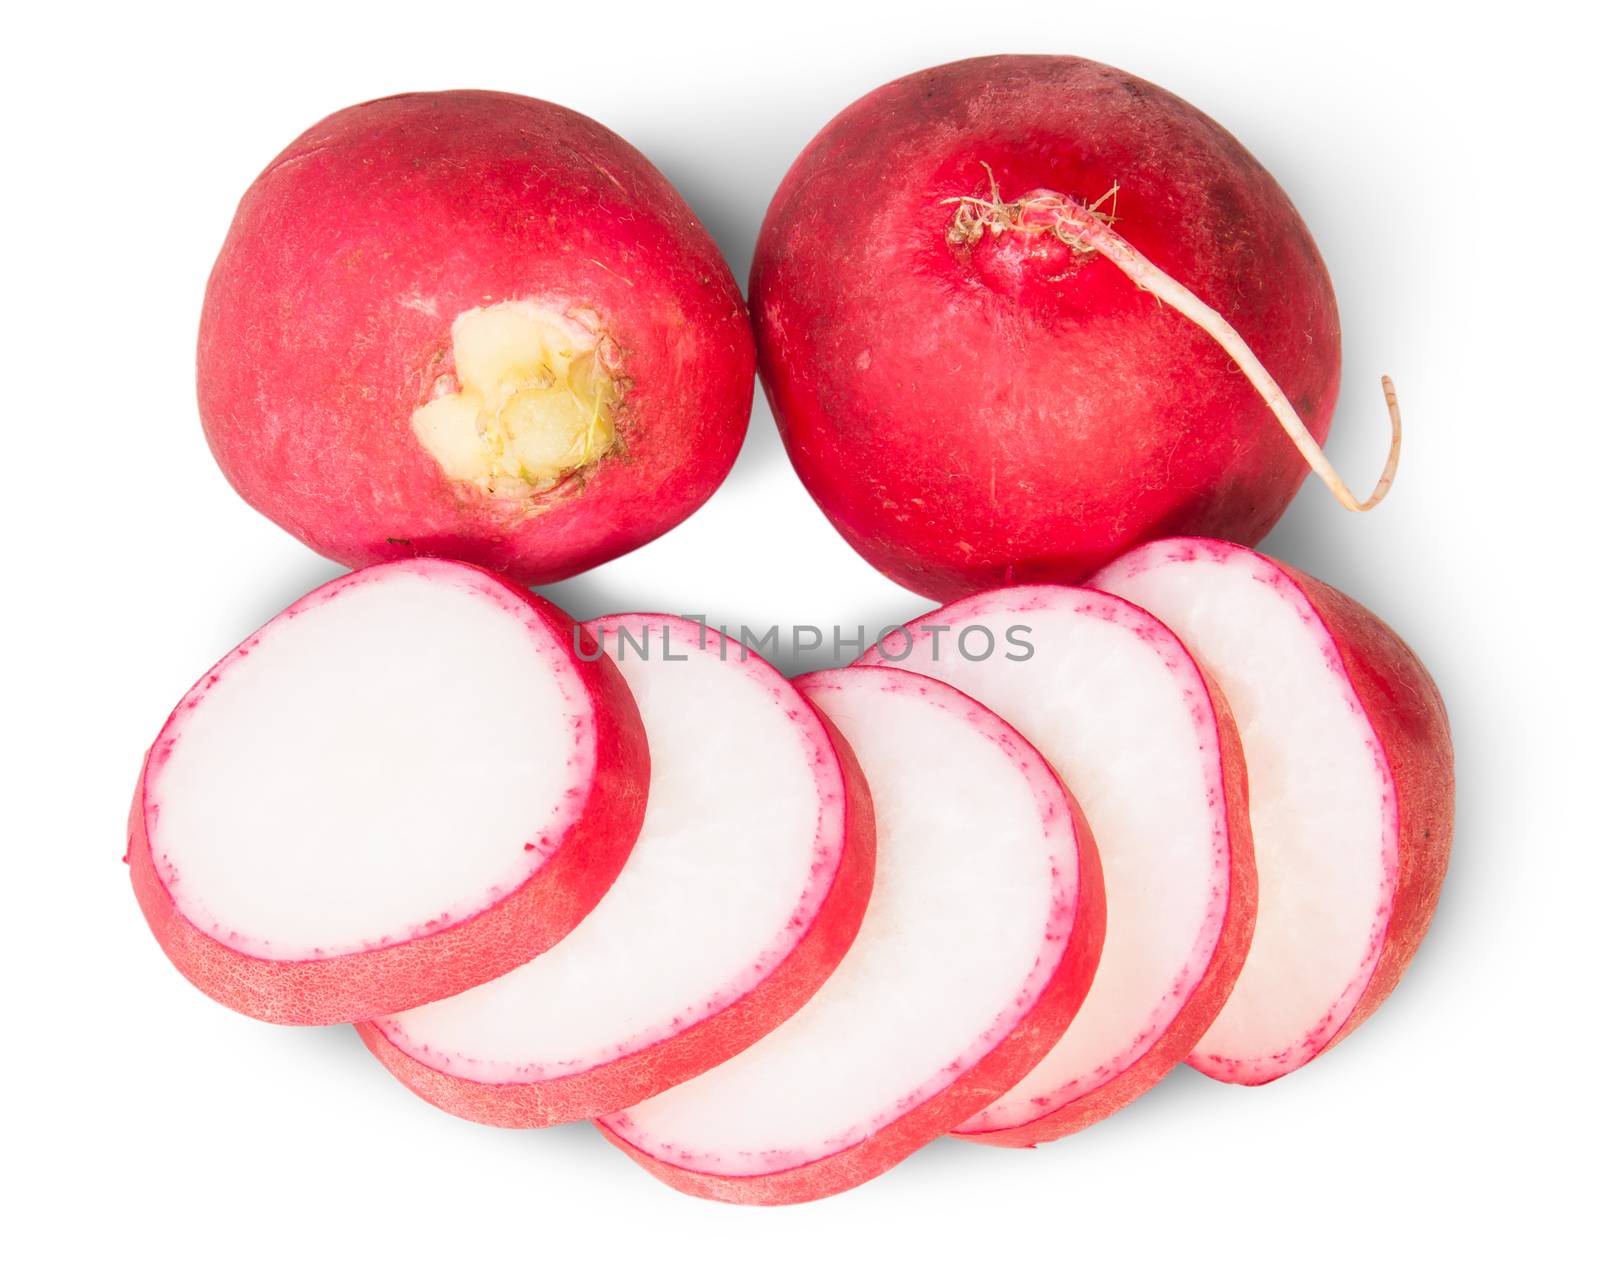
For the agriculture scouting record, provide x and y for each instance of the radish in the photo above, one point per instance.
(1147, 745)
(472, 325)
(1018, 314)
(1351, 792)
(978, 945)
(403, 785)
(746, 886)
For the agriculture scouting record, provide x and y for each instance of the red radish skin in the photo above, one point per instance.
(445, 954)
(1409, 713)
(973, 410)
(1025, 1033)
(1411, 749)
(328, 323)
(740, 1014)
(1137, 760)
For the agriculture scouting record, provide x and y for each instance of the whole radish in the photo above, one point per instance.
(1017, 315)
(472, 325)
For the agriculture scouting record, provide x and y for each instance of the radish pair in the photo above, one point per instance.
(775, 936)
(1014, 316)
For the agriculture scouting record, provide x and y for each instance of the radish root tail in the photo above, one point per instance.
(1088, 229)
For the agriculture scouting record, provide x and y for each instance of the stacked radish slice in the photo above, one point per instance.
(774, 937)
(404, 785)
(1145, 741)
(978, 947)
(744, 889)
(1352, 792)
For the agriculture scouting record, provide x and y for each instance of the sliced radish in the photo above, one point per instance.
(403, 785)
(1146, 744)
(1351, 792)
(979, 943)
(746, 886)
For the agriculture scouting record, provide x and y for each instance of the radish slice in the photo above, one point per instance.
(979, 943)
(1141, 738)
(745, 888)
(405, 784)
(1351, 792)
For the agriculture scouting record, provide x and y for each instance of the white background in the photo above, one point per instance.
(1446, 166)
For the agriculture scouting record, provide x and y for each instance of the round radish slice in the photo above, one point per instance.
(1123, 713)
(978, 945)
(1351, 792)
(745, 888)
(405, 784)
